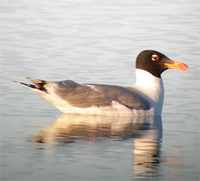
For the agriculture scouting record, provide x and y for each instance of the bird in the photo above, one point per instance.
(144, 98)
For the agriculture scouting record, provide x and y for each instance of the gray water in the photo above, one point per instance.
(97, 42)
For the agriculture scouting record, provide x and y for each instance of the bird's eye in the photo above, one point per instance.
(154, 57)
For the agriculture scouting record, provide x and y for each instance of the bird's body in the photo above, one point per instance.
(145, 97)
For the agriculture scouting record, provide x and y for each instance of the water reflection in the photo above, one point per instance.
(146, 133)
(146, 151)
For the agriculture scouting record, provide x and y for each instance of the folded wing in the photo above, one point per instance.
(88, 95)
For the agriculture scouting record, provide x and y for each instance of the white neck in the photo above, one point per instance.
(151, 88)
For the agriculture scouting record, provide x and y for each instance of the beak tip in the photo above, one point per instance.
(185, 67)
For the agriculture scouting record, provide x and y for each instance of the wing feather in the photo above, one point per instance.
(87, 95)
(125, 96)
(78, 95)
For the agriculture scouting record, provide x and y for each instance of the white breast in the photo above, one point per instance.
(151, 88)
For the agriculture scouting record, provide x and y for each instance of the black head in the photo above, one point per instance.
(155, 62)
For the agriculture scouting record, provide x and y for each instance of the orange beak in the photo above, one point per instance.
(177, 65)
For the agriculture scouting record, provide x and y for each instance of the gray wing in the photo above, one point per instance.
(78, 95)
(87, 95)
(125, 96)
(99, 95)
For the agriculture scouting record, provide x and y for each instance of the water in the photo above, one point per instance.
(97, 42)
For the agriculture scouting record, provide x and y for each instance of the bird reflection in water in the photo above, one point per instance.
(146, 133)
(146, 150)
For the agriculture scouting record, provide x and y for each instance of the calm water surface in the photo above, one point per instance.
(97, 42)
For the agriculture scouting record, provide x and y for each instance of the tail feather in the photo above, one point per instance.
(40, 83)
(28, 85)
